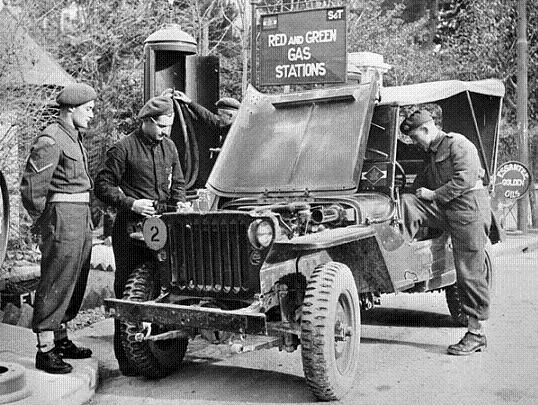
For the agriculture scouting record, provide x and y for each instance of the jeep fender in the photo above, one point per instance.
(358, 247)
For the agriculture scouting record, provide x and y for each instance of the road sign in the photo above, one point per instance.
(303, 47)
(512, 181)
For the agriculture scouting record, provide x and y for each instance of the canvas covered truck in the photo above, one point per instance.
(300, 229)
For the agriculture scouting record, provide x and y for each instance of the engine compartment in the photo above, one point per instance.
(298, 218)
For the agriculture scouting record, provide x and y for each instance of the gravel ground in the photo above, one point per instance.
(86, 318)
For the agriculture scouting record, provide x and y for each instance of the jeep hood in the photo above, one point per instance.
(311, 142)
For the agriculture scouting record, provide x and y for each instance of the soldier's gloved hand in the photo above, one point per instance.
(425, 194)
(144, 207)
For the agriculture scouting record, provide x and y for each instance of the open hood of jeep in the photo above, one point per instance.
(310, 142)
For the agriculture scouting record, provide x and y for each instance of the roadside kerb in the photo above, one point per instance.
(17, 345)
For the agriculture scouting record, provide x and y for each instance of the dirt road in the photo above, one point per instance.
(403, 351)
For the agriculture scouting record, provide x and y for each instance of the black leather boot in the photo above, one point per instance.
(68, 350)
(469, 344)
(51, 362)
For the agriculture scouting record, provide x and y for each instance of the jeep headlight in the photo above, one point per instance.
(261, 233)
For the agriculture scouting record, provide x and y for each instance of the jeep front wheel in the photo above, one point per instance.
(153, 359)
(454, 297)
(330, 331)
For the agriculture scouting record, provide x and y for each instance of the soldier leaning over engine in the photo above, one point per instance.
(140, 170)
(55, 191)
(450, 196)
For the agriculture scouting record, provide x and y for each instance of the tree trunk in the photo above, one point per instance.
(434, 12)
(204, 51)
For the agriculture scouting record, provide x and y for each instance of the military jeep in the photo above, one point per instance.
(302, 230)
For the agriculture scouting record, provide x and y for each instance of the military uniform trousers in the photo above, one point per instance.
(66, 246)
(128, 255)
(468, 222)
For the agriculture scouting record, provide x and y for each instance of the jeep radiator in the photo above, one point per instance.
(210, 255)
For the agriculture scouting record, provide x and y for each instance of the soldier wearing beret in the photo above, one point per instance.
(55, 191)
(211, 129)
(450, 196)
(227, 108)
(139, 172)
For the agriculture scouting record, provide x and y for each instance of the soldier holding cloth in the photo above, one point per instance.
(140, 170)
(450, 196)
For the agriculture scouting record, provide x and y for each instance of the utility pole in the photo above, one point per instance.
(522, 117)
(253, 32)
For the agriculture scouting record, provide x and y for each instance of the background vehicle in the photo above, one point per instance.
(302, 229)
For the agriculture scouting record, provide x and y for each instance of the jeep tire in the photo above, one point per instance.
(153, 359)
(330, 331)
(454, 297)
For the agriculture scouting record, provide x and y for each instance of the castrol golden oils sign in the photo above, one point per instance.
(512, 180)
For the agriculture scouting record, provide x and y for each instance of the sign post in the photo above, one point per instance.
(303, 47)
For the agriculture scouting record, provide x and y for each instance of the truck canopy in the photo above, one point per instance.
(431, 92)
(469, 108)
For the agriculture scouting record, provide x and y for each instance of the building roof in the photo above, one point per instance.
(22, 60)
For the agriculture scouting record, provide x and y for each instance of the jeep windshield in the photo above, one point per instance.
(292, 144)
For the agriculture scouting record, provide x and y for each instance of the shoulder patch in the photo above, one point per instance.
(37, 169)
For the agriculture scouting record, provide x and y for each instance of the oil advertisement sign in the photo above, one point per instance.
(303, 47)
(512, 181)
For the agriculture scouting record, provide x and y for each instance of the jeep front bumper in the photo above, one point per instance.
(184, 316)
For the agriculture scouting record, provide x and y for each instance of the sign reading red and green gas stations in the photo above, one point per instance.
(512, 181)
(303, 47)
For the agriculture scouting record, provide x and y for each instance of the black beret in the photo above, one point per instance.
(161, 105)
(414, 121)
(228, 103)
(76, 94)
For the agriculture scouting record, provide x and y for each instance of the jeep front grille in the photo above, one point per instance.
(210, 254)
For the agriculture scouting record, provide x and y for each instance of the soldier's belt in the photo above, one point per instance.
(478, 186)
(70, 198)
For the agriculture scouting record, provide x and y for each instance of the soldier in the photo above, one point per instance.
(227, 108)
(450, 195)
(55, 191)
(139, 171)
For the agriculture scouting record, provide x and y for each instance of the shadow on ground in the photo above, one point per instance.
(206, 376)
(407, 318)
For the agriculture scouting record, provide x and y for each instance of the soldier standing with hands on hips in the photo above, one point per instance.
(140, 170)
(55, 191)
(450, 196)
